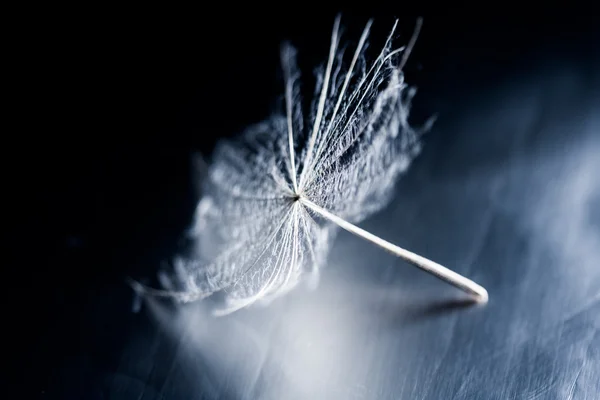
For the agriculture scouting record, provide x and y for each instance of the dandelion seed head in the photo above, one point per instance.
(255, 237)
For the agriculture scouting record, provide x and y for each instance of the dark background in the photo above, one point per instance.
(123, 100)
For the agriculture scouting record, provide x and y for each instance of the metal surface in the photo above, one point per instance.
(506, 192)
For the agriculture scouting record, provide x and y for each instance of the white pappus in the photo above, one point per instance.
(274, 197)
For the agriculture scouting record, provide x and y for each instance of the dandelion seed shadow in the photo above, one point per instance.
(400, 307)
(439, 308)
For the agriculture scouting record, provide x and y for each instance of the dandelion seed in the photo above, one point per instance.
(275, 197)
